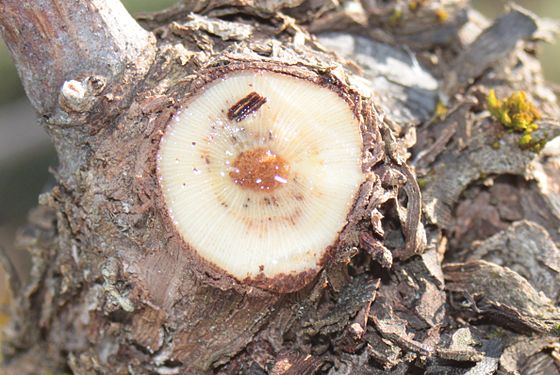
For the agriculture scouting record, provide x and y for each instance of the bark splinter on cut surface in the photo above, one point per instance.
(114, 288)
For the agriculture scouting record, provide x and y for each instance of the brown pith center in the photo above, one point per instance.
(260, 169)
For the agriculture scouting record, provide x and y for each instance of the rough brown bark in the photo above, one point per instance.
(54, 41)
(111, 290)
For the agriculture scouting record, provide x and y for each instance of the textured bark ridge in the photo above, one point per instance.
(449, 262)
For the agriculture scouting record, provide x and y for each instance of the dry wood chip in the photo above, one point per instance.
(355, 296)
(501, 294)
(296, 364)
(223, 29)
(526, 248)
(493, 45)
(532, 356)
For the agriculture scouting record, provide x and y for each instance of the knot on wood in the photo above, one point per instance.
(76, 96)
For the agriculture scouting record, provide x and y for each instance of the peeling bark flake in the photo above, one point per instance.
(243, 108)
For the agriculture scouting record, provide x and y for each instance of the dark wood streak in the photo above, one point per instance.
(243, 108)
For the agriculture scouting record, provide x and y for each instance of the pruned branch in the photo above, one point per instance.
(53, 41)
(167, 246)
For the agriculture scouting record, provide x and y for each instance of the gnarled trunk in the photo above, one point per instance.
(450, 177)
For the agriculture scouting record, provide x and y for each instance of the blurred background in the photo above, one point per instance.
(26, 155)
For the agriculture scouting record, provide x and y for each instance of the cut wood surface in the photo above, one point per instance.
(448, 262)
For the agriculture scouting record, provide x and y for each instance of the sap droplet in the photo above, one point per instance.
(260, 169)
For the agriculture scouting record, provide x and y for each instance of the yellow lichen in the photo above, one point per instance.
(525, 139)
(441, 110)
(442, 15)
(517, 114)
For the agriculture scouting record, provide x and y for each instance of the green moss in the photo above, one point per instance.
(396, 17)
(422, 183)
(517, 114)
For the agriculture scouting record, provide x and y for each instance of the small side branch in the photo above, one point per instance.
(53, 41)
